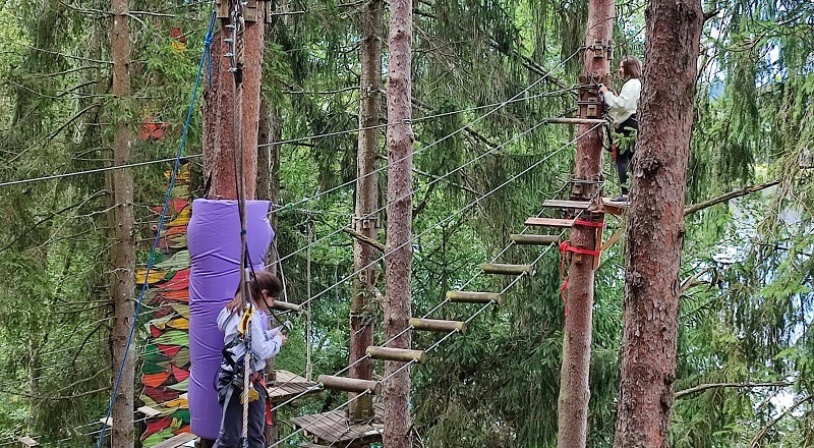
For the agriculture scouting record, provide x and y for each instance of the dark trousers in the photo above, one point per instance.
(625, 151)
(231, 426)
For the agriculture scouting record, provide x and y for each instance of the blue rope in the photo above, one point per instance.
(208, 49)
(164, 209)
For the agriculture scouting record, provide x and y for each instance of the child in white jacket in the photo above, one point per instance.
(622, 111)
(264, 288)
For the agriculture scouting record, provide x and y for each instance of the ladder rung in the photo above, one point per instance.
(550, 222)
(556, 203)
(566, 120)
(438, 325)
(350, 384)
(396, 354)
(473, 297)
(543, 240)
(506, 269)
(287, 306)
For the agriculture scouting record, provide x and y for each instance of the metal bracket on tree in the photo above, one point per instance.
(365, 222)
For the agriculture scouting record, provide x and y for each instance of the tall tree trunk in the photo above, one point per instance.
(575, 393)
(399, 226)
(220, 109)
(655, 229)
(123, 254)
(367, 199)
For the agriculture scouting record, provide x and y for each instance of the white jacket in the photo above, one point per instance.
(622, 106)
(265, 343)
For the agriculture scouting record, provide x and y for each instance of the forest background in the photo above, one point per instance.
(745, 353)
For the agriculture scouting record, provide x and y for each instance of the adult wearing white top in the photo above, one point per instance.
(622, 112)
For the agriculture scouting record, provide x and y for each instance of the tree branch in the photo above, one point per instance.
(762, 433)
(731, 195)
(364, 239)
(703, 387)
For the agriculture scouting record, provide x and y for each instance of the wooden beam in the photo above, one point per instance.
(506, 269)
(350, 384)
(541, 240)
(556, 203)
(445, 326)
(549, 222)
(396, 354)
(176, 441)
(473, 297)
(287, 306)
(563, 120)
(28, 441)
(373, 243)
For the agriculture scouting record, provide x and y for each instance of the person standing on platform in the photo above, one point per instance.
(239, 330)
(622, 112)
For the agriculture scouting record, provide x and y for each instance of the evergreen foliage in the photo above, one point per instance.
(747, 303)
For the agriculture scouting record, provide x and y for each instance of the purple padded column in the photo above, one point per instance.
(213, 239)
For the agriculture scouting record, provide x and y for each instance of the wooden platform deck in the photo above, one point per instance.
(181, 440)
(333, 428)
(289, 385)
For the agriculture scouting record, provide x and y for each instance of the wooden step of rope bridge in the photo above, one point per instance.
(335, 429)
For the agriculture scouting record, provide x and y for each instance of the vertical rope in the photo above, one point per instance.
(309, 368)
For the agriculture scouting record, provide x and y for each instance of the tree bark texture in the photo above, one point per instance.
(398, 261)
(123, 253)
(572, 417)
(655, 229)
(219, 113)
(362, 313)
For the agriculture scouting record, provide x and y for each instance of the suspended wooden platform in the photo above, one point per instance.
(558, 203)
(550, 222)
(540, 240)
(350, 384)
(334, 429)
(565, 120)
(180, 440)
(506, 269)
(289, 385)
(613, 208)
(473, 297)
(444, 326)
(396, 354)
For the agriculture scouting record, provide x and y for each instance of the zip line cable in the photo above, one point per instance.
(428, 313)
(446, 137)
(449, 334)
(281, 142)
(476, 201)
(413, 192)
(381, 257)
(308, 246)
(168, 197)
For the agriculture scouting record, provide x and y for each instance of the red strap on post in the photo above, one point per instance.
(583, 223)
(565, 247)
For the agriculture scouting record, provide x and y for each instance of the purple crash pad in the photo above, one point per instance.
(213, 239)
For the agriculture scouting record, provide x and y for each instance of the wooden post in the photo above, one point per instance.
(367, 202)
(576, 356)
(399, 259)
(221, 110)
(122, 221)
(228, 110)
